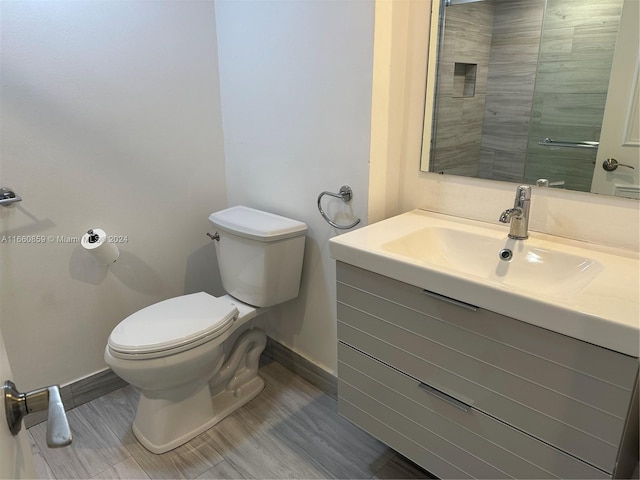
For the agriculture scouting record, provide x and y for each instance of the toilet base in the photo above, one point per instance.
(162, 425)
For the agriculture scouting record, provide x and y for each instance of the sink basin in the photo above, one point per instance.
(586, 291)
(541, 270)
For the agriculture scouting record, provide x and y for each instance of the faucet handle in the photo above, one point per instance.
(523, 194)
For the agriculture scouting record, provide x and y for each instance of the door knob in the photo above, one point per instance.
(17, 405)
(610, 164)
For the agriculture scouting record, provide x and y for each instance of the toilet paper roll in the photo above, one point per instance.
(97, 243)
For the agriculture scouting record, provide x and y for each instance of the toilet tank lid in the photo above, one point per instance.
(256, 224)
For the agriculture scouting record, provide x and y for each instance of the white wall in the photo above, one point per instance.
(110, 118)
(295, 82)
(390, 58)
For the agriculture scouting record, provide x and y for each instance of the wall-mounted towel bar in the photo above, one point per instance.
(8, 197)
(550, 142)
(345, 194)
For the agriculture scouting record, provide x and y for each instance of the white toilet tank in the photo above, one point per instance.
(259, 255)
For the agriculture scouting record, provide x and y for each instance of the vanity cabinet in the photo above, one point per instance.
(468, 393)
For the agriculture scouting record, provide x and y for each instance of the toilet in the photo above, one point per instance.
(194, 358)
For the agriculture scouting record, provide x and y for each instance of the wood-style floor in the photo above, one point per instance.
(291, 430)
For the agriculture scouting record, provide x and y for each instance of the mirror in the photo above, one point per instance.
(519, 91)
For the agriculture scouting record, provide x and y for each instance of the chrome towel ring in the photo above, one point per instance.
(345, 194)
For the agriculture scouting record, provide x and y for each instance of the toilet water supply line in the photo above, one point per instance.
(251, 342)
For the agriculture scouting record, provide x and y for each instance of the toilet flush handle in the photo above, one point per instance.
(214, 236)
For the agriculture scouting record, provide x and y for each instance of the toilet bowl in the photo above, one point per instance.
(195, 357)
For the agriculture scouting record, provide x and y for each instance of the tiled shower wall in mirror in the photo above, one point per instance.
(576, 51)
(538, 72)
(515, 45)
(464, 60)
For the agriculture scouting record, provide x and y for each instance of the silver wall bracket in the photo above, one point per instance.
(8, 197)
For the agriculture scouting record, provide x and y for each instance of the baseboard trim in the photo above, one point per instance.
(105, 381)
(302, 367)
(81, 391)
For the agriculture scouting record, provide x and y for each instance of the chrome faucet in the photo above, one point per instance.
(519, 214)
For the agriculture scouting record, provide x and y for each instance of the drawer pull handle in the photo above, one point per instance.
(453, 301)
(447, 398)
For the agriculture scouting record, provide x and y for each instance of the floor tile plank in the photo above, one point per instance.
(127, 470)
(222, 470)
(306, 418)
(94, 449)
(43, 470)
(251, 447)
(290, 430)
(400, 467)
(188, 461)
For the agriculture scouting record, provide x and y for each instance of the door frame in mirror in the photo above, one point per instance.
(431, 85)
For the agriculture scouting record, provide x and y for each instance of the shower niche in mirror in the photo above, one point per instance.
(520, 90)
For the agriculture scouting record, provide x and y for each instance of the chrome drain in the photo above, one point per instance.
(505, 254)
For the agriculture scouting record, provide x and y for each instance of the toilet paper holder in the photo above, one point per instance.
(93, 237)
(98, 244)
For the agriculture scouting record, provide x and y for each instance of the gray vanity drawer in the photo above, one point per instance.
(568, 393)
(450, 442)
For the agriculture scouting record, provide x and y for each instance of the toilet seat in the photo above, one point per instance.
(172, 326)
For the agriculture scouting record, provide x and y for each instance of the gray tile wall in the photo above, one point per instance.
(466, 40)
(547, 76)
(576, 51)
(512, 73)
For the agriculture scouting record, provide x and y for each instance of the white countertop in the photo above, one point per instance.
(605, 312)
